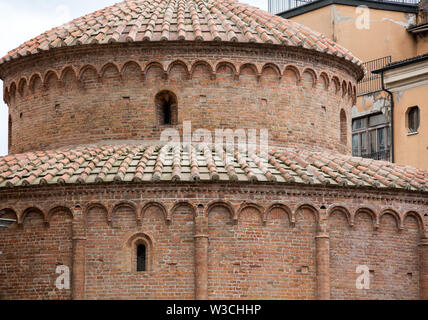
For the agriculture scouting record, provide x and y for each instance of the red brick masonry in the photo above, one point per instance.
(244, 241)
(88, 182)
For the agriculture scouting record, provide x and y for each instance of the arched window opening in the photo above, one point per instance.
(166, 108)
(343, 128)
(9, 142)
(141, 258)
(139, 253)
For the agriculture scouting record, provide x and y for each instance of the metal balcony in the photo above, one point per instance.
(372, 82)
(384, 155)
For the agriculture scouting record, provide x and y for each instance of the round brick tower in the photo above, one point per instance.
(89, 189)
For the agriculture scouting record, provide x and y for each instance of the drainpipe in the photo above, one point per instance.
(392, 116)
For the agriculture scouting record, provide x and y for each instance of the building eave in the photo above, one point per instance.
(399, 7)
(402, 63)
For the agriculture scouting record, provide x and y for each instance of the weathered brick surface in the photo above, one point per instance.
(253, 261)
(110, 274)
(108, 93)
(219, 233)
(391, 255)
(261, 241)
(30, 254)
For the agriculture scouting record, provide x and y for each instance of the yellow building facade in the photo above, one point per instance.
(380, 34)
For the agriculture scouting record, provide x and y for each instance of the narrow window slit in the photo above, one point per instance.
(141, 258)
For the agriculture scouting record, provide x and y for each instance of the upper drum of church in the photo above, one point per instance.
(131, 70)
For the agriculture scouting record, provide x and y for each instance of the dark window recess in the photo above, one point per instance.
(141, 258)
(166, 113)
(413, 119)
(166, 108)
(343, 128)
(10, 133)
(371, 137)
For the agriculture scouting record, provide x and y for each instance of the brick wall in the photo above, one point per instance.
(255, 261)
(261, 241)
(76, 96)
(30, 255)
(110, 274)
(390, 254)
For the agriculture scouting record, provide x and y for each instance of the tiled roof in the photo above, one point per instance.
(154, 163)
(180, 20)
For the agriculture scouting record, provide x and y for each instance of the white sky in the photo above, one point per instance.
(25, 19)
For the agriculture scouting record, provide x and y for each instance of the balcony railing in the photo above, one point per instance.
(278, 6)
(372, 82)
(384, 155)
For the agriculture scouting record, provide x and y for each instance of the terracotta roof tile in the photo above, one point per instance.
(154, 163)
(183, 20)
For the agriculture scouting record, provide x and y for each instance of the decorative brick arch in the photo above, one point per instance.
(418, 218)
(283, 207)
(324, 80)
(311, 208)
(129, 65)
(207, 65)
(350, 92)
(394, 214)
(294, 69)
(11, 211)
(69, 78)
(96, 205)
(179, 204)
(12, 93)
(343, 210)
(22, 87)
(273, 67)
(371, 213)
(227, 64)
(86, 68)
(250, 205)
(336, 83)
(51, 78)
(344, 89)
(158, 205)
(313, 75)
(67, 69)
(181, 63)
(35, 210)
(155, 64)
(249, 66)
(59, 208)
(108, 66)
(125, 204)
(224, 204)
